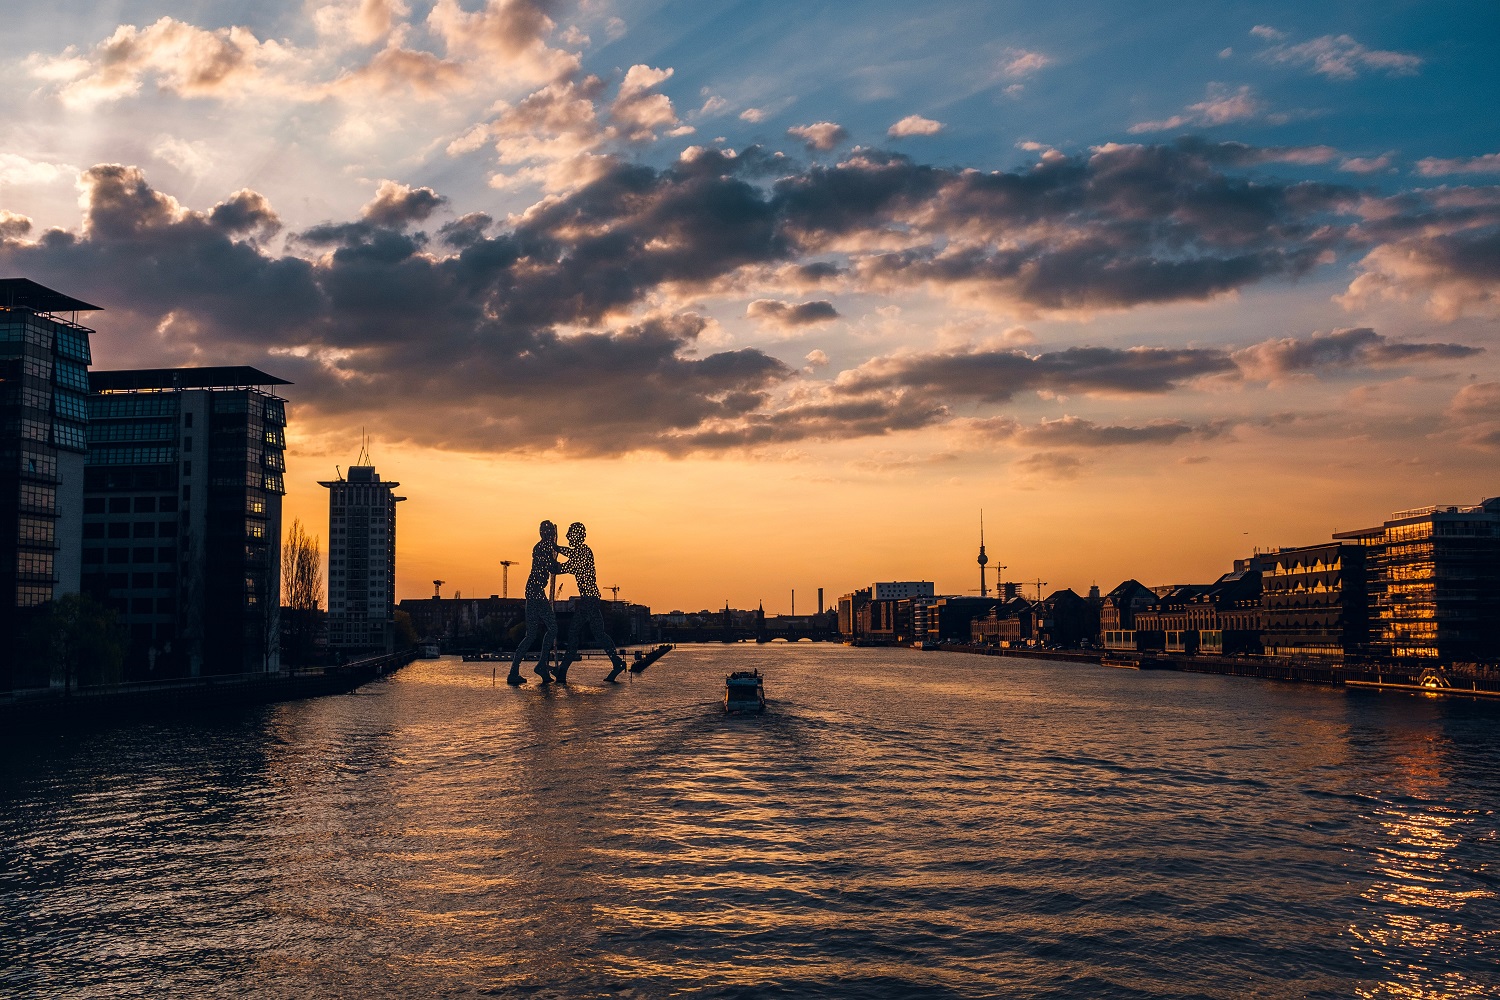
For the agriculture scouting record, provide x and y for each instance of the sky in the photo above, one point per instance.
(780, 298)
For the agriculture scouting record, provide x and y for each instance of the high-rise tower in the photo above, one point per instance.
(984, 590)
(361, 560)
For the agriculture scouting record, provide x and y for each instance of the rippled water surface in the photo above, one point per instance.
(898, 824)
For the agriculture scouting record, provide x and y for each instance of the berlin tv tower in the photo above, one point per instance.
(984, 590)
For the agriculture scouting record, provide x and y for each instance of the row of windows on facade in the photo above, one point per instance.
(127, 405)
(166, 580)
(19, 328)
(58, 433)
(70, 405)
(66, 372)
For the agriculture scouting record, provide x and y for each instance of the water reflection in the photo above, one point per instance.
(897, 824)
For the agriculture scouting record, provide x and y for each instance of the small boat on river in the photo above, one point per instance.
(744, 691)
(429, 650)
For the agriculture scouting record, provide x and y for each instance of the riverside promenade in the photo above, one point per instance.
(31, 712)
(1460, 679)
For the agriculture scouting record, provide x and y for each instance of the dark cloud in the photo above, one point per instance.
(997, 376)
(397, 205)
(1077, 432)
(1358, 347)
(791, 314)
(1050, 465)
(479, 345)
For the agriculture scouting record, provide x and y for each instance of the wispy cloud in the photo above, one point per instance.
(1340, 57)
(1432, 166)
(1220, 107)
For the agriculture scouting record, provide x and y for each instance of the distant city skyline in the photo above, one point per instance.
(774, 304)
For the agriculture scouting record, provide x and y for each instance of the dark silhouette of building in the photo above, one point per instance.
(361, 561)
(1065, 620)
(44, 359)
(182, 516)
(950, 619)
(1433, 583)
(850, 606)
(1314, 601)
(1009, 624)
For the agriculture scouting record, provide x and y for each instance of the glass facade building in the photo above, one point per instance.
(182, 516)
(44, 381)
(1434, 583)
(1314, 601)
(361, 561)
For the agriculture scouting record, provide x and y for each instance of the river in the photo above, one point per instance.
(898, 824)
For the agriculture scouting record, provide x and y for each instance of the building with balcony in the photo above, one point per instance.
(361, 561)
(44, 384)
(182, 516)
(1314, 601)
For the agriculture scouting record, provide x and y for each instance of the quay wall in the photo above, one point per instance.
(1471, 680)
(32, 712)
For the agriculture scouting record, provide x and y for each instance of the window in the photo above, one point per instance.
(93, 555)
(166, 554)
(131, 456)
(187, 420)
(73, 344)
(38, 497)
(36, 531)
(255, 505)
(145, 529)
(141, 606)
(187, 468)
(142, 581)
(115, 406)
(95, 530)
(30, 597)
(167, 505)
(187, 444)
(166, 579)
(167, 529)
(119, 529)
(34, 464)
(134, 430)
(146, 555)
(118, 555)
(72, 375)
(119, 505)
(69, 435)
(187, 494)
(93, 505)
(145, 505)
(70, 405)
(34, 564)
(166, 605)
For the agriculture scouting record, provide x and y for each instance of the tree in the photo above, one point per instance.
(406, 632)
(302, 585)
(77, 640)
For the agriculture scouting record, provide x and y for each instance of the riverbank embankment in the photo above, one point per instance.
(1463, 679)
(29, 712)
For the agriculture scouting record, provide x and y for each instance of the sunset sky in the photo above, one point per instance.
(778, 296)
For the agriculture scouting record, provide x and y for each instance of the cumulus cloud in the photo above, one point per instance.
(1340, 57)
(1432, 166)
(821, 136)
(1221, 107)
(21, 171)
(914, 125)
(13, 226)
(361, 21)
(639, 110)
(1339, 350)
(754, 115)
(571, 299)
(1267, 32)
(791, 314)
(397, 204)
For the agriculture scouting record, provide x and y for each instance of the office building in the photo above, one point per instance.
(182, 516)
(361, 561)
(44, 359)
(1433, 583)
(900, 589)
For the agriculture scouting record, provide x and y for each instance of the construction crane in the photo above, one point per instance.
(615, 591)
(505, 565)
(437, 588)
(1038, 583)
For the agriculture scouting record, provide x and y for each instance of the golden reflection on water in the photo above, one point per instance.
(1418, 897)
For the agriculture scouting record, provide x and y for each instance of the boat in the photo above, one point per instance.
(744, 691)
(429, 650)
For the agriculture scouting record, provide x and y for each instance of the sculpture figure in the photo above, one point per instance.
(541, 618)
(590, 607)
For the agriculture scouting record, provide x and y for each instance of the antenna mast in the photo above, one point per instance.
(984, 590)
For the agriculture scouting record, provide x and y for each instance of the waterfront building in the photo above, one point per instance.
(1065, 620)
(849, 607)
(44, 359)
(182, 516)
(1119, 607)
(1007, 625)
(1433, 583)
(361, 561)
(1314, 601)
(949, 619)
(896, 590)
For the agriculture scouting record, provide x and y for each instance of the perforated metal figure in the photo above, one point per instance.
(541, 619)
(590, 608)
